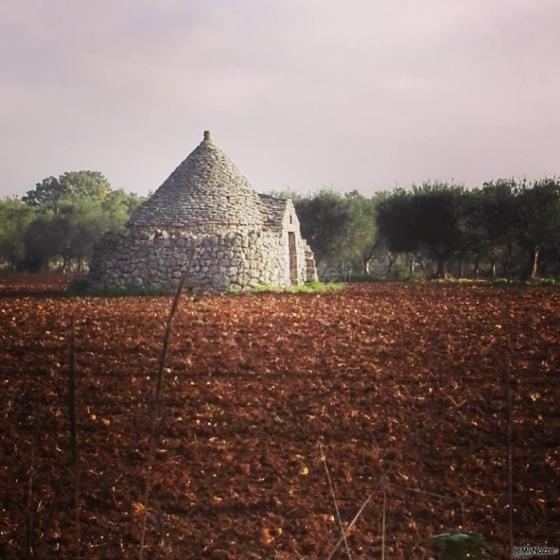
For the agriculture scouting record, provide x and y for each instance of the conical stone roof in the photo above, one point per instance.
(206, 188)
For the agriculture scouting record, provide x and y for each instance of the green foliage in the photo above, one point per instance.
(550, 281)
(539, 213)
(497, 212)
(397, 221)
(438, 211)
(61, 220)
(340, 228)
(15, 218)
(70, 185)
(361, 233)
(505, 228)
(502, 282)
(455, 545)
(515, 225)
(539, 221)
(324, 220)
(315, 287)
(426, 217)
(41, 240)
(48, 191)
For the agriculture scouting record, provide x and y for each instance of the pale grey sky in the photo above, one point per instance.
(361, 94)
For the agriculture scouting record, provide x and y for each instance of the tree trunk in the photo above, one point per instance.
(509, 259)
(476, 267)
(390, 267)
(367, 258)
(440, 272)
(505, 269)
(533, 269)
(460, 268)
(65, 264)
(411, 265)
(493, 268)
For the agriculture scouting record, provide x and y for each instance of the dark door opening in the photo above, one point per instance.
(293, 257)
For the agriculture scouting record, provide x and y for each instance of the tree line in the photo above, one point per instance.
(506, 228)
(58, 223)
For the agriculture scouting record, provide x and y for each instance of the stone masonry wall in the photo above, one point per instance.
(156, 259)
(290, 224)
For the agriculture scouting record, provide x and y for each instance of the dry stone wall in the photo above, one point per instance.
(156, 260)
(289, 224)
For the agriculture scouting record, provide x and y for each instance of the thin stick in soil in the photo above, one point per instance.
(349, 528)
(331, 488)
(383, 523)
(509, 454)
(73, 434)
(29, 513)
(156, 409)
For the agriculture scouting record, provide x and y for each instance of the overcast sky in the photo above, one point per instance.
(361, 94)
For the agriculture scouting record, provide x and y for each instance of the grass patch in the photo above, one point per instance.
(548, 281)
(515, 283)
(81, 288)
(307, 288)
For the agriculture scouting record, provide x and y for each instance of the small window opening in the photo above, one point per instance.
(291, 219)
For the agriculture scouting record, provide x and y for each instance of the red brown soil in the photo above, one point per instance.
(45, 283)
(403, 385)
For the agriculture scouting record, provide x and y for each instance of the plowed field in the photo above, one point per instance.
(403, 386)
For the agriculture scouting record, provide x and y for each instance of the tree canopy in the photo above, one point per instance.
(505, 222)
(73, 185)
(340, 228)
(505, 227)
(60, 220)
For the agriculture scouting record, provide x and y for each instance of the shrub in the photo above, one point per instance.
(455, 545)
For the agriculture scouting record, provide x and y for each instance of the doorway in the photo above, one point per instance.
(293, 257)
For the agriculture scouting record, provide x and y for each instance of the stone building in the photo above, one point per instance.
(206, 217)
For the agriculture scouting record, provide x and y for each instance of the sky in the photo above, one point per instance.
(301, 94)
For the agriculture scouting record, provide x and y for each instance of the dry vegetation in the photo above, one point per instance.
(402, 386)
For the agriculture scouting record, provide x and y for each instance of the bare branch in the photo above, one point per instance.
(331, 488)
(73, 434)
(509, 453)
(383, 517)
(156, 405)
(349, 528)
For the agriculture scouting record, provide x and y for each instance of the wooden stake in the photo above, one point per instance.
(331, 488)
(156, 406)
(73, 434)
